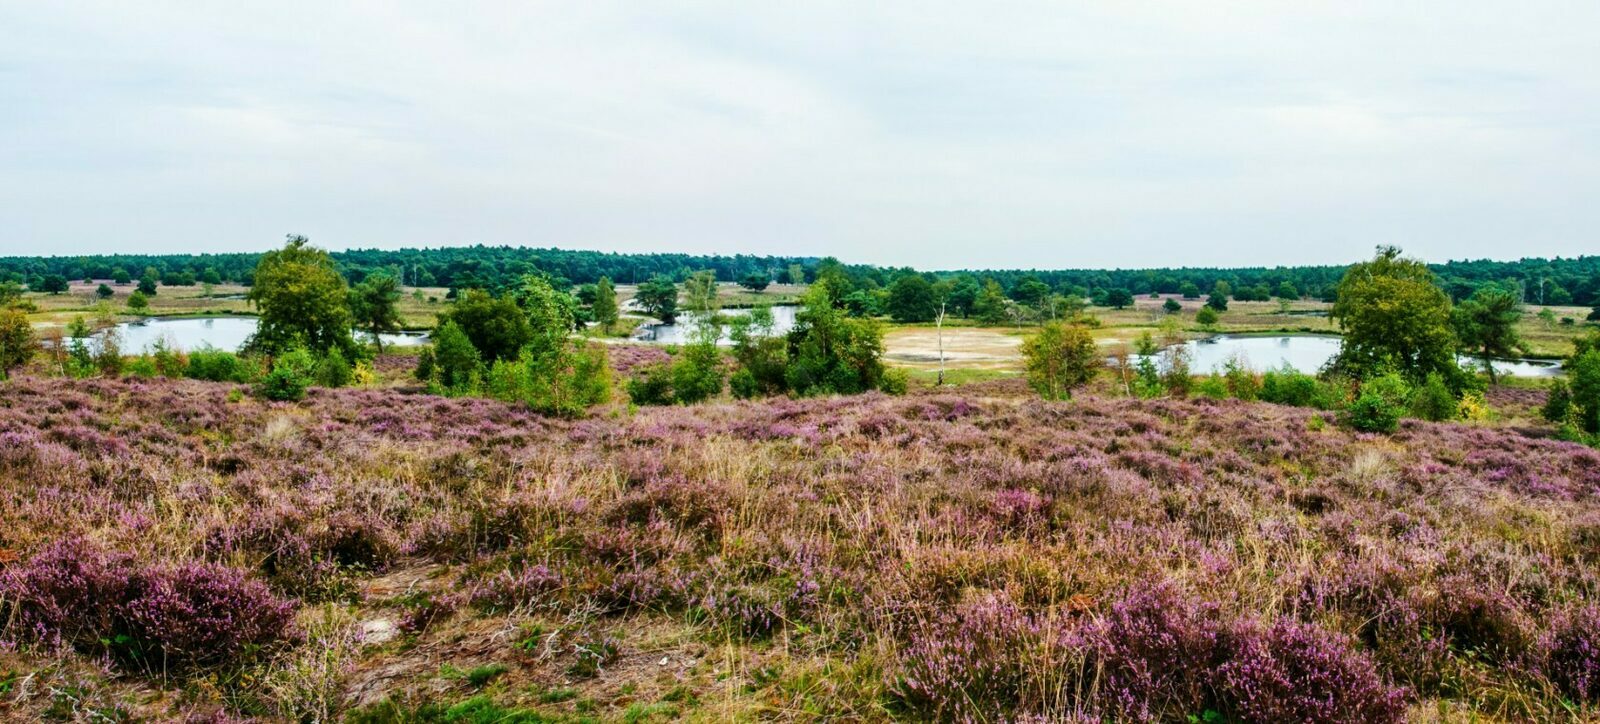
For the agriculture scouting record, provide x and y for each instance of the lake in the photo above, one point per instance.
(1308, 353)
(225, 333)
(679, 332)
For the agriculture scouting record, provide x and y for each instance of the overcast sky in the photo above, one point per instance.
(939, 135)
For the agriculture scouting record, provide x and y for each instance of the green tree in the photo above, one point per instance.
(700, 293)
(697, 373)
(830, 353)
(1583, 379)
(497, 327)
(53, 284)
(17, 341)
(302, 299)
(455, 362)
(1119, 298)
(911, 299)
(1486, 323)
(1172, 306)
(1059, 359)
(10, 293)
(990, 305)
(659, 298)
(147, 282)
(1218, 301)
(120, 276)
(1394, 317)
(375, 306)
(138, 302)
(797, 274)
(104, 292)
(1189, 290)
(756, 281)
(604, 308)
(1207, 316)
(762, 357)
(1286, 290)
(293, 370)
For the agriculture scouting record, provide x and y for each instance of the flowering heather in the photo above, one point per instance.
(971, 555)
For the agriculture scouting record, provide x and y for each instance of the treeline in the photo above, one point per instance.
(1559, 281)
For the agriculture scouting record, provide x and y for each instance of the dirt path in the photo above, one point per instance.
(964, 347)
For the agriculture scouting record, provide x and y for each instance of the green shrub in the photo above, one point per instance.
(1557, 403)
(697, 374)
(1379, 404)
(1240, 379)
(1288, 386)
(215, 365)
(1212, 386)
(291, 374)
(334, 370)
(1433, 400)
(652, 385)
(742, 384)
(895, 381)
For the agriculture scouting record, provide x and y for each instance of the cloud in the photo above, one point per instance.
(932, 134)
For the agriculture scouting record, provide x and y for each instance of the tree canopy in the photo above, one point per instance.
(1394, 318)
(302, 300)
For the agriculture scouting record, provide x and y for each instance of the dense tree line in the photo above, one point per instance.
(857, 287)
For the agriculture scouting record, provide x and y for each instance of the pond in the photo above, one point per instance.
(1308, 353)
(679, 332)
(225, 333)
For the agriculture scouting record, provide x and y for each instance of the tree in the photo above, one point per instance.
(756, 281)
(147, 283)
(1189, 290)
(120, 276)
(455, 362)
(555, 372)
(53, 284)
(1218, 301)
(797, 274)
(1286, 290)
(10, 292)
(17, 341)
(658, 298)
(700, 293)
(210, 276)
(138, 302)
(496, 327)
(1583, 379)
(1172, 306)
(1119, 298)
(374, 306)
(1059, 359)
(762, 357)
(1207, 316)
(830, 353)
(604, 308)
(302, 299)
(1486, 323)
(1394, 318)
(104, 292)
(990, 306)
(911, 299)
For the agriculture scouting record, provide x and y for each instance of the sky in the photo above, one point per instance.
(1126, 133)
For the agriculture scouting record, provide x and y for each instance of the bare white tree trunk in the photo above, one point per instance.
(939, 324)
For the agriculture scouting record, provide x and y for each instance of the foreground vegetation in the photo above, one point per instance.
(979, 554)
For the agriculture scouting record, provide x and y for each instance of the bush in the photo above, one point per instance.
(157, 618)
(652, 385)
(1288, 386)
(215, 365)
(1557, 402)
(1433, 401)
(334, 370)
(1206, 317)
(697, 374)
(1379, 404)
(290, 376)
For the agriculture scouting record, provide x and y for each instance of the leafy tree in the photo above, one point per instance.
(697, 373)
(147, 283)
(911, 299)
(497, 327)
(1583, 375)
(1207, 316)
(1486, 323)
(78, 328)
(797, 274)
(1394, 317)
(374, 305)
(1189, 290)
(1286, 290)
(10, 292)
(455, 364)
(1059, 359)
(1218, 301)
(210, 276)
(860, 303)
(302, 299)
(651, 385)
(104, 292)
(1030, 290)
(1557, 403)
(120, 276)
(604, 308)
(53, 284)
(659, 298)
(138, 302)
(756, 281)
(17, 341)
(830, 353)
(700, 293)
(762, 357)
(1172, 306)
(1119, 298)
(990, 305)
(554, 373)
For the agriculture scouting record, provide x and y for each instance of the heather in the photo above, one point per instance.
(976, 554)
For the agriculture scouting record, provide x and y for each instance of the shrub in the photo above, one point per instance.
(1059, 359)
(1207, 316)
(1572, 654)
(651, 385)
(1557, 402)
(697, 374)
(1241, 381)
(1288, 386)
(215, 365)
(334, 370)
(1378, 405)
(165, 618)
(290, 376)
(1299, 672)
(1433, 400)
